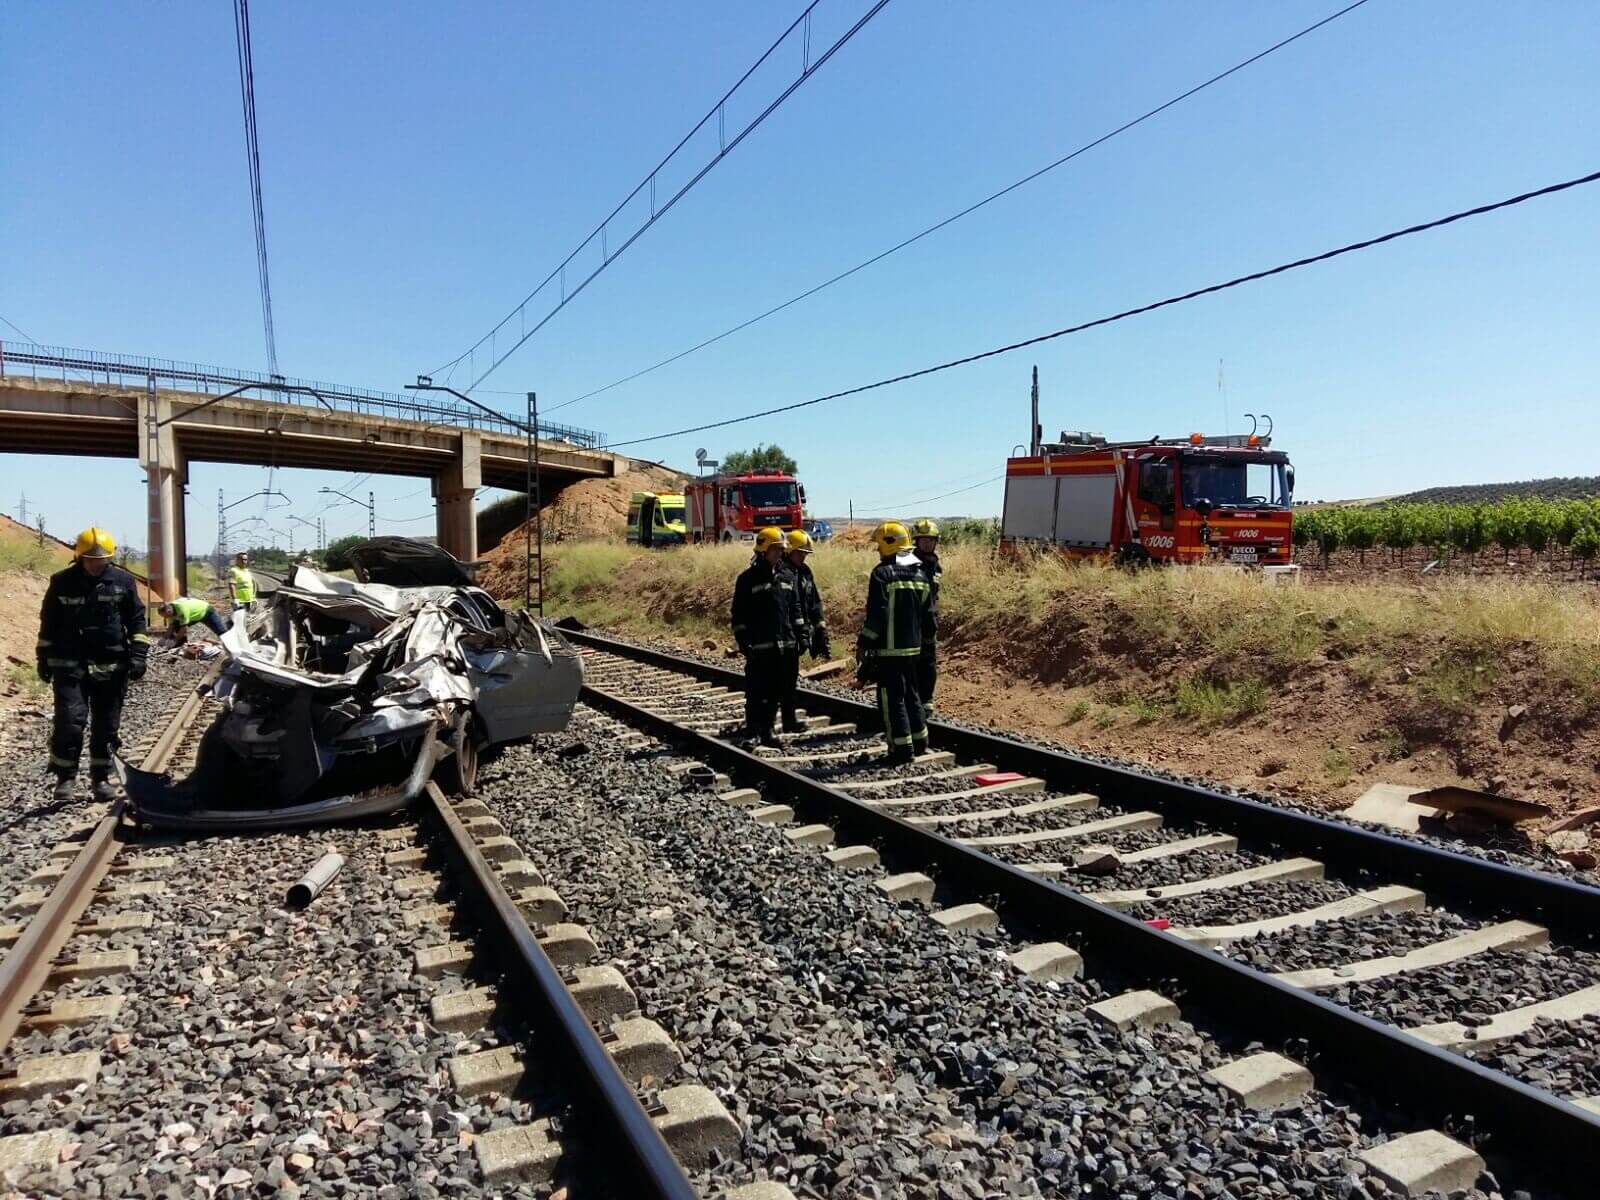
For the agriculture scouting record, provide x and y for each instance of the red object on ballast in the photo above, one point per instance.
(1159, 923)
(997, 777)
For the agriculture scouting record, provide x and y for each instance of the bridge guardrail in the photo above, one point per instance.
(65, 363)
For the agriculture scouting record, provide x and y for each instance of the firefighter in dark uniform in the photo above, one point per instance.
(813, 632)
(92, 642)
(925, 535)
(766, 625)
(890, 643)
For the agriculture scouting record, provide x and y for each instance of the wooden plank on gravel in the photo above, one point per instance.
(1363, 904)
(1121, 824)
(1273, 872)
(1508, 935)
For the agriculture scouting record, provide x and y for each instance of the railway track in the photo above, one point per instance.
(167, 1018)
(1391, 968)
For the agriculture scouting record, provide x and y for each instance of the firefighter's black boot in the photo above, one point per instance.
(768, 738)
(104, 788)
(900, 755)
(66, 788)
(792, 723)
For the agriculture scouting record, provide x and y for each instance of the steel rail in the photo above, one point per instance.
(27, 964)
(1402, 1072)
(644, 1156)
(1474, 884)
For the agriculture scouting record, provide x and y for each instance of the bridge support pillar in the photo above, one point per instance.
(165, 474)
(455, 512)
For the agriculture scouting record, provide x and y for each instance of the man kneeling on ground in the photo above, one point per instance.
(185, 611)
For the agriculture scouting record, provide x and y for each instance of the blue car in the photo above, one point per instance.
(819, 530)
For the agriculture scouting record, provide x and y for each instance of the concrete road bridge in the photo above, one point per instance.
(168, 414)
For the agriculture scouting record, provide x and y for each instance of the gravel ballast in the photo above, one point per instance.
(252, 1034)
(866, 1052)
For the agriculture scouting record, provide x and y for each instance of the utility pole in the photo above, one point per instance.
(535, 514)
(222, 535)
(23, 516)
(372, 517)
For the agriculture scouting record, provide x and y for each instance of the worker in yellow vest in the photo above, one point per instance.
(241, 583)
(186, 611)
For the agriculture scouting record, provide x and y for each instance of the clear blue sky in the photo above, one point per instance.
(424, 165)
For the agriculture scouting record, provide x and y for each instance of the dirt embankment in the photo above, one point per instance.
(1311, 692)
(591, 509)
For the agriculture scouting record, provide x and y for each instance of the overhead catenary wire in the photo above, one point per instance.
(967, 211)
(1125, 314)
(25, 337)
(726, 145)
(899, 504)
(247, 95)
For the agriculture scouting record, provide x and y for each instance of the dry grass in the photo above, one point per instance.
(1222, 612)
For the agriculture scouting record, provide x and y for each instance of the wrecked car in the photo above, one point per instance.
(341, 699)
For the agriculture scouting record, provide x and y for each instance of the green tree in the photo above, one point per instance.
(1361, 530)
(1586, 544)
(760, 457)
(337, 556)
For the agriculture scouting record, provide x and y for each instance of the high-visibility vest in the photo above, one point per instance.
(244, 585)
(189, 611)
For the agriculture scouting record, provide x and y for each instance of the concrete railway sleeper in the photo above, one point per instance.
(1226, 906)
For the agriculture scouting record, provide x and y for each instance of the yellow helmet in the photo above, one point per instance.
(925, 528)
(769, 537)
(798, 539)
(94, 542)
(891, 538)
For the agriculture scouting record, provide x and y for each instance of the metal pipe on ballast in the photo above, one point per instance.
(315, 881)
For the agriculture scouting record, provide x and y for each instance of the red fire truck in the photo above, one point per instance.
(1164, 499)
(729, 508)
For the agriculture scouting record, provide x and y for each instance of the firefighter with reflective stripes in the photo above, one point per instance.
(92, 642)
(813, 632)
(766, 624)
(890, 643)
(925, 535)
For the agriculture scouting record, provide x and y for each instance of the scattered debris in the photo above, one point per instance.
(1097, 860)
(1391, 804)
(1488, 805)
(1515, 715)
(832, 667)
(1584, 816)
(1573, 846)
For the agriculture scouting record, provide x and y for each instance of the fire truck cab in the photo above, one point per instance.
(728, 508)
(1170, 500)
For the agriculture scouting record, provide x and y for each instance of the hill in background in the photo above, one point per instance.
(1575, 488)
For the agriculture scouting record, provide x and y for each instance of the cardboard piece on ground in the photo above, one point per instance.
(832, 667)
(1484, 804)
(1391, 804)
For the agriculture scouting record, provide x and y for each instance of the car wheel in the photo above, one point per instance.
(458, 774)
